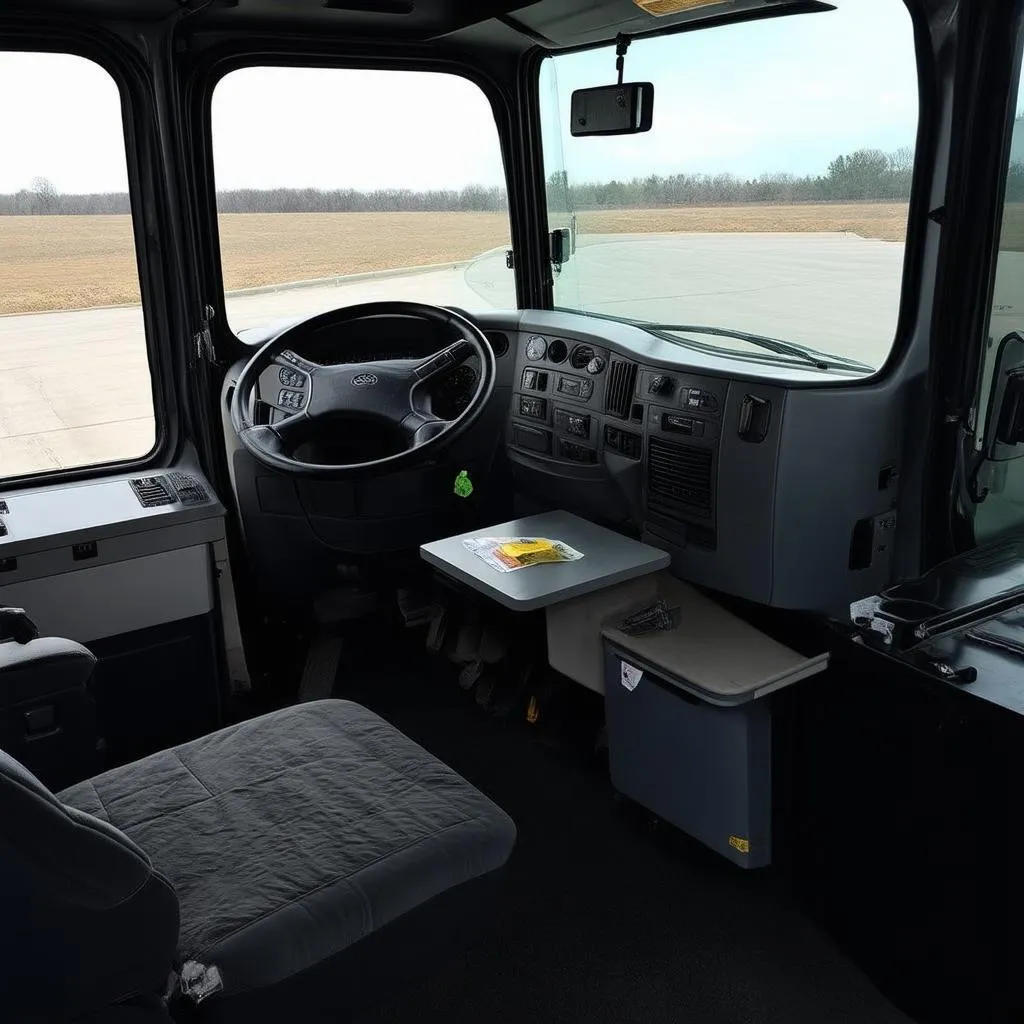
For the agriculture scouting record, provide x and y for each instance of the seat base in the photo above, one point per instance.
(312, 851)
(403, 953)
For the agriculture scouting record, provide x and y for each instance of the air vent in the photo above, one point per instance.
(499, 343)
(679, 479)
(618, 397)
(581, 355)
(152, 491)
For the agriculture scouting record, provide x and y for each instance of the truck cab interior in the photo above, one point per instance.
(509, 511)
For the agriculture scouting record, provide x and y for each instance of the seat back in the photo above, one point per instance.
(87, 921)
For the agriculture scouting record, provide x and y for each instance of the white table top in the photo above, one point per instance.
(713, 653)
(608, 558)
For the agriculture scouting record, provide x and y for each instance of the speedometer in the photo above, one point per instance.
(535, 348)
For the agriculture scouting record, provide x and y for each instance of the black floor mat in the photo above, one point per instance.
(606, 918)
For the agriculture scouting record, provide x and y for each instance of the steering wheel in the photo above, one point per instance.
(392, 391)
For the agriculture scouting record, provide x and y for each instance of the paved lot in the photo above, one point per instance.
(74, 386)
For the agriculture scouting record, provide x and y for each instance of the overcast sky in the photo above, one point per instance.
(785, 94)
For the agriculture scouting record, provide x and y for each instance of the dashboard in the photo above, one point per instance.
(771, 483)
(777, 484)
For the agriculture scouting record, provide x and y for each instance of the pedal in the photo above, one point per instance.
(493, 645)
(470, 674)
(467, 643)
(485, 690)
(416, 609)
(437, 631)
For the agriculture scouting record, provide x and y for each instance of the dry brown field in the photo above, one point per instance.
(76, 262)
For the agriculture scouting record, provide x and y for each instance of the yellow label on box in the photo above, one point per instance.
(739, 843)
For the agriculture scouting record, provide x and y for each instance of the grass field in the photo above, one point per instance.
(76, 262)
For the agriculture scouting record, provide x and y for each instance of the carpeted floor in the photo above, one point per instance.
(606, 917)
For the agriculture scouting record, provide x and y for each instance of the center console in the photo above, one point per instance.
(584, 406)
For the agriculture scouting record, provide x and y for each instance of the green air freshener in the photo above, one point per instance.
(463, 485)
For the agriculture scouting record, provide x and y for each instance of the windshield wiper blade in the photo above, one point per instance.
(782, 348)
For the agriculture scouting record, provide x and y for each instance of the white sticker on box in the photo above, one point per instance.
(631, 675)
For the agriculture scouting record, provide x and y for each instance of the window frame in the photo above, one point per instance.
(919, 206)
(148, 219)
(215, 65)
(992, 100)
(979, 415)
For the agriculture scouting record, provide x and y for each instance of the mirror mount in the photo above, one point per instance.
(560, 247)
(621, 46)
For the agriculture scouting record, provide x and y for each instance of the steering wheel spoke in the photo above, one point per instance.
(280, 438)
(423, 427)
(443, 361)
(289, 360)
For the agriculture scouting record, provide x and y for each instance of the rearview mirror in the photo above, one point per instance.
(624, 109)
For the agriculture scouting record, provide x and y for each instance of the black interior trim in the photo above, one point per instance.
(151, 223)
(983, 112)
(215, 59)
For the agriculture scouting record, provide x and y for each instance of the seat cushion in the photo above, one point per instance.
(290, 837)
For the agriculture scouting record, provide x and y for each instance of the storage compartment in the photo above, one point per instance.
(47, 716)
(704, 768)
(157, 687)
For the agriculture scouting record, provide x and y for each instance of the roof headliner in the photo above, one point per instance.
(507, 24)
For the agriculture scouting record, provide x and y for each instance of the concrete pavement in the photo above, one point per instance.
(75, 387)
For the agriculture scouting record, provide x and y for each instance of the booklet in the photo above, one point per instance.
(508, 553)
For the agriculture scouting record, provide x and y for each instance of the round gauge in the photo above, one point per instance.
(557, 351)
(581, 355)
(596, 365)
(535, 348)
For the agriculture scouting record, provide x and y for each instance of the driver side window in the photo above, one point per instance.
(326, 202)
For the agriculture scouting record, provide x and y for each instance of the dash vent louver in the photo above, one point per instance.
(618, 398)
(152, 491)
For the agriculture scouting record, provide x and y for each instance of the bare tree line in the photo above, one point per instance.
(865, 175)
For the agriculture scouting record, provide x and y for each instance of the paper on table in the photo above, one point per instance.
(509, 553)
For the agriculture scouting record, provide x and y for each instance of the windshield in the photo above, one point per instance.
(769, 197)
(356, 201)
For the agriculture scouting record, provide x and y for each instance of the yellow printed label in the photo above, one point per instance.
(739, 843)
(532, 711)
(517, 549)
(527, 552)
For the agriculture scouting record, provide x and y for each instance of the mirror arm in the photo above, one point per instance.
(621, 46)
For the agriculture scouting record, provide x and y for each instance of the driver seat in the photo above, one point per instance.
(299, 864)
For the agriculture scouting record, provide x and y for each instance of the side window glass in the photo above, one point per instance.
(75, 382)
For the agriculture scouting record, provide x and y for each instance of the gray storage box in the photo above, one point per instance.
(702, 767)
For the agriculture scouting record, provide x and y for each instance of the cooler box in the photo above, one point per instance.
(690, 725)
